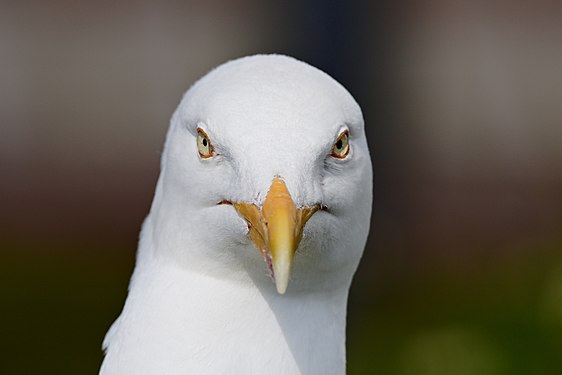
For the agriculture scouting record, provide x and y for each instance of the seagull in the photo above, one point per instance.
(258, 223)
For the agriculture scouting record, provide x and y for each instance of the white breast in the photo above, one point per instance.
(178, 322)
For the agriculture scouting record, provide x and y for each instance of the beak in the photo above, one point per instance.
(276, 229)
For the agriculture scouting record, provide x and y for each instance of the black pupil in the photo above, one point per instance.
(204, 142)
(339, 144)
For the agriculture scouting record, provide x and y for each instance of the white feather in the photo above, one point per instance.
(200, 299)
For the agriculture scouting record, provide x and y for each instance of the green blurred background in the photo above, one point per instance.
(463, 109)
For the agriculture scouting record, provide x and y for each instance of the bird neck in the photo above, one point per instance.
(186, 320)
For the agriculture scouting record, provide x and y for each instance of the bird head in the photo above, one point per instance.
(265, 172)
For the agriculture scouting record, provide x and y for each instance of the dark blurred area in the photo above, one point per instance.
(463, 109)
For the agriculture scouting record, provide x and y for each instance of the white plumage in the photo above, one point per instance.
(201, 298)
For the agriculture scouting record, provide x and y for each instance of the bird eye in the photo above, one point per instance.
(204, 146)
(341, 147)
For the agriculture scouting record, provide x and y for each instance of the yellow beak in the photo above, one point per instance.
(276, 230)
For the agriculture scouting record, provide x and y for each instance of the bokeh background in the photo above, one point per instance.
(463, 109)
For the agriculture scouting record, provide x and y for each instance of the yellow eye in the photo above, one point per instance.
(204, 145)
(341, 147)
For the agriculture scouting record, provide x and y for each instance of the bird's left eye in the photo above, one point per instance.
(204, 146)
(340, 149)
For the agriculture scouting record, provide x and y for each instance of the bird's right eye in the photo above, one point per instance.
(204, 146)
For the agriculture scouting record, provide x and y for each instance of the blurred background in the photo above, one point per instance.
(463, 108)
